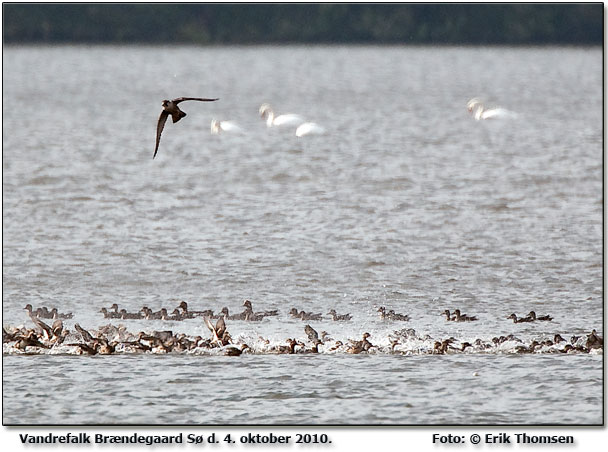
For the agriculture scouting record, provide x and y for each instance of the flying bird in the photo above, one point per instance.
(170, 108)
(311, 333)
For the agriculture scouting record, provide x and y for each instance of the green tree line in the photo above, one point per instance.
(390, 23)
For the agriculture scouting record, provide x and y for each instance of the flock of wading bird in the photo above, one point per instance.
(111, 339)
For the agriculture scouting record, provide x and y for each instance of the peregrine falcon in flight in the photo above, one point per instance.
(170, 108)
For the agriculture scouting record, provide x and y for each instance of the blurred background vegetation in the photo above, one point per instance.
(512, 24)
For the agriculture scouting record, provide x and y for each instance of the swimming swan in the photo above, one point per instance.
(267, 113)
(476, 107)
(218, 127)
(309, 128)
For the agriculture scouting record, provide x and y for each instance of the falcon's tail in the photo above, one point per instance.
(177, 116)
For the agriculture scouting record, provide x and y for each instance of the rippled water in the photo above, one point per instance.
(404, 202)
(288, 389)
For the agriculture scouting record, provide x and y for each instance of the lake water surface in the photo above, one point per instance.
(405, 201)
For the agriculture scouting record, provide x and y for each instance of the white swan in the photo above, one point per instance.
(476, 107)
(267, 113)
(218, 127)
(309, 128)
(471, 104)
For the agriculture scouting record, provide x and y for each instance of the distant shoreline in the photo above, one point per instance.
(312, 24)
(300, 45)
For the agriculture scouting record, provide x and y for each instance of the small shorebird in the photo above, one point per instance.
(311, 333)
(449, 317)
(250, 315)
(338, 317)
(463, 317)
(233, 351)
(521, 320)
(392, 315)
(170, 108)
(357, 347)
(221, 336)
(86, 336)
(533, 316)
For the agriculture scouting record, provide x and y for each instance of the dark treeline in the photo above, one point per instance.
(305, 23)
